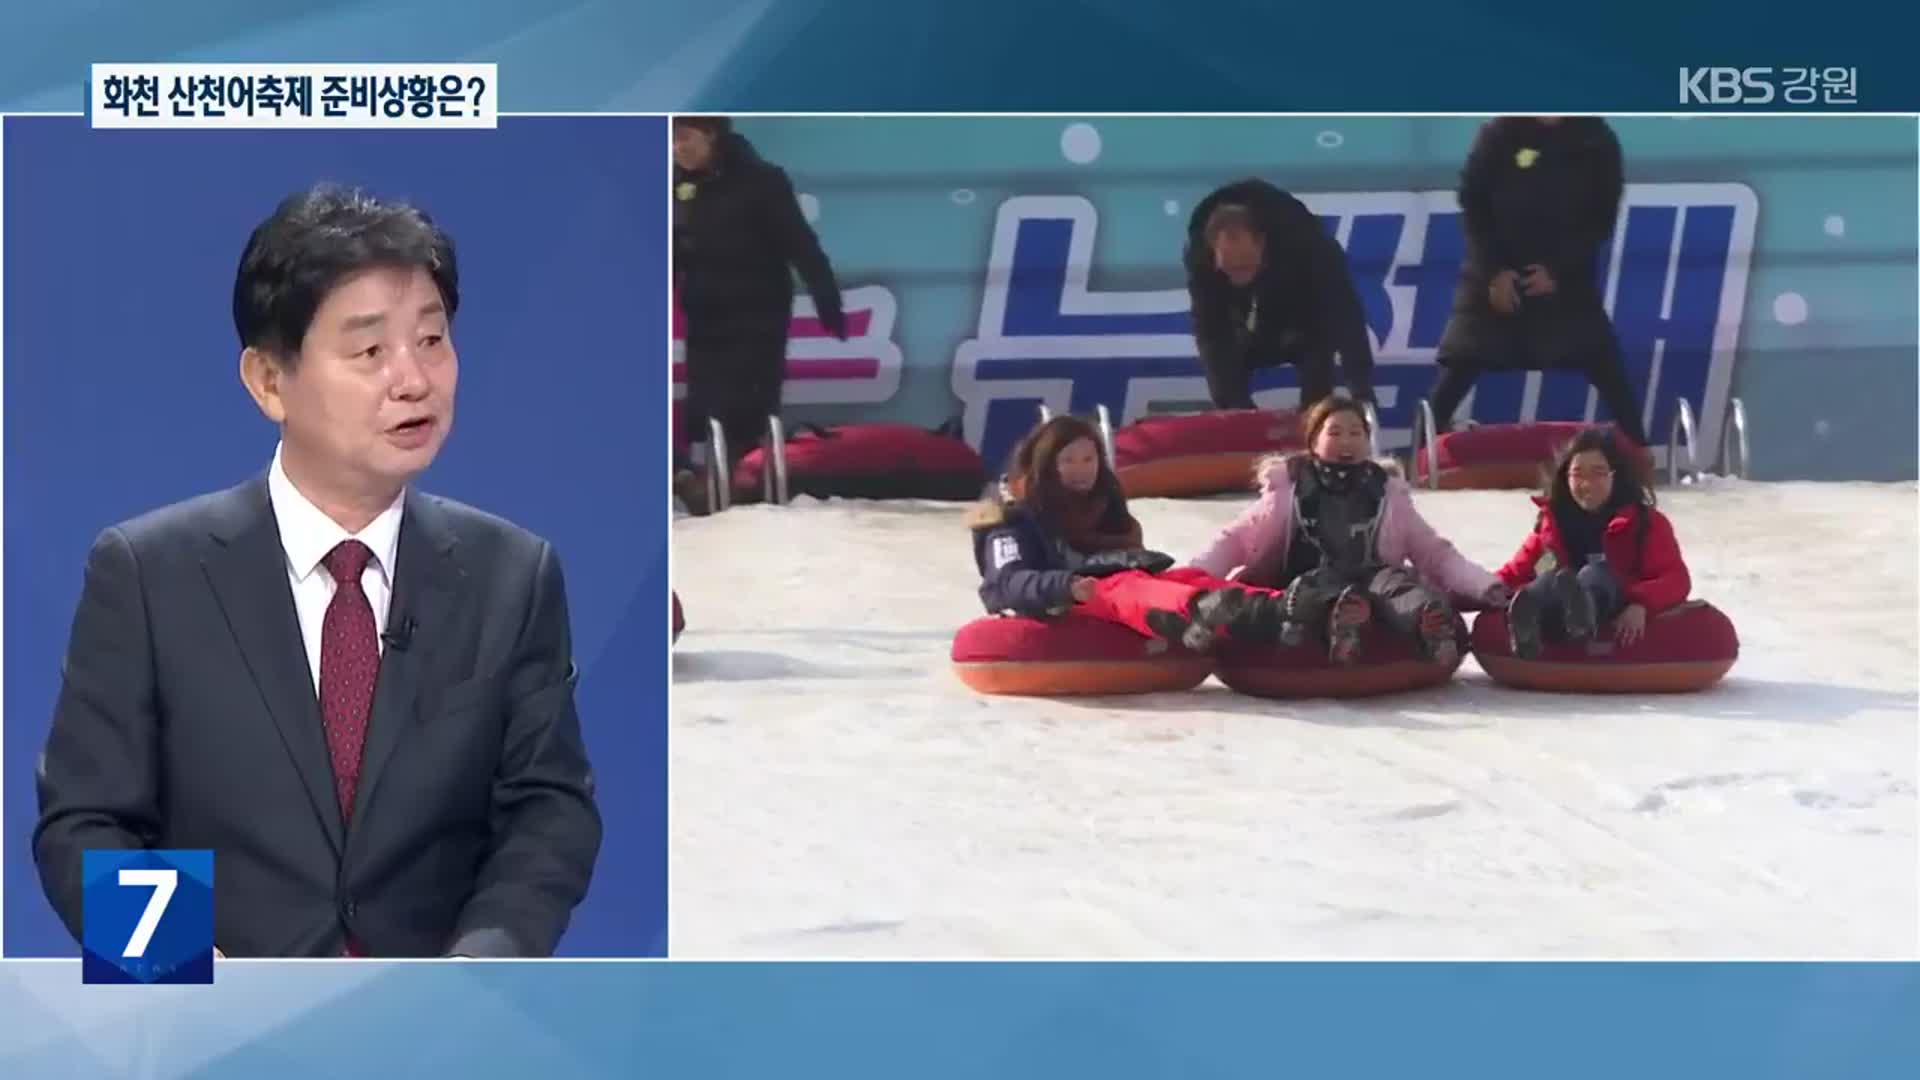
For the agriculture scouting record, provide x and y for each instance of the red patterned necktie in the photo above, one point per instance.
(349, 665)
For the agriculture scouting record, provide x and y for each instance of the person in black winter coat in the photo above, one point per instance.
(738, 237)
(1538, 200)
(1269, 286)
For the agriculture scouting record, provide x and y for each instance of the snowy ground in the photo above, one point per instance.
(837, 792)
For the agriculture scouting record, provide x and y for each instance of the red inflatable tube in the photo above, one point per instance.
(1204, 454)
(1502, 455)
(1685, 649)
(870, 461)
(1071, 655)
(1388, 664)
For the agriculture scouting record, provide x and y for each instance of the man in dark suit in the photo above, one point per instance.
(1270, 287)
(358, 695)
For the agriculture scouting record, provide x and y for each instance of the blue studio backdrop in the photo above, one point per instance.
(122, 394)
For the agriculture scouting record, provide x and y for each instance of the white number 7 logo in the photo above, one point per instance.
(162, 882)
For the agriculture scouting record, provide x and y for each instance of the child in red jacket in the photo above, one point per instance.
(1598, 554)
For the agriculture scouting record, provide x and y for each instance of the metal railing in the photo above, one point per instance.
(1682, 434)
(1103, 421)
(719, 472)
(774, 475)
(1683, 440)
(1424, 437)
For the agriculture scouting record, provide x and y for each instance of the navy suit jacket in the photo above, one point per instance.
(187, 719)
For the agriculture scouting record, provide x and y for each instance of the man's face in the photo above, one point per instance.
(692, 147)
(371, 400)
(1237, 252)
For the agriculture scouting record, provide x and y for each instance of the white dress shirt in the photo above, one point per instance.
(307, 534)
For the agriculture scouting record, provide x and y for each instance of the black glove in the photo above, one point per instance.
(835, 320)
(1108, 563)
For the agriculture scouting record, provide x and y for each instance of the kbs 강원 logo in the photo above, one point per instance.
(147, 917)
(1763, 85)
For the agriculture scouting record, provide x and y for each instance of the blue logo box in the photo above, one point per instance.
(147, 917)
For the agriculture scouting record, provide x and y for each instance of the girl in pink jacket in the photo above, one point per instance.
(1338, 532)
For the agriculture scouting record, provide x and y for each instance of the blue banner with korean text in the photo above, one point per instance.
(1010, 262)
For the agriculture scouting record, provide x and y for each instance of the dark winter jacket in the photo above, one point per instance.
(738, 236)
(1027, 569)
(1303, 305)
(1539, 193)
(1536, 193)
(1640, 548)
(1335, 529)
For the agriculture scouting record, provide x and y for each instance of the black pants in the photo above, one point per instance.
(1566, 330)
(1596, 579)
(735, 376)
(1608, 376)
(1395, 593)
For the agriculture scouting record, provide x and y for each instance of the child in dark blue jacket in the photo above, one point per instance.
(1060, 538)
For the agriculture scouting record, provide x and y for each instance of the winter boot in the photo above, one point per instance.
(1523, 624)
(1345, 619)
(1298, 606)
(1171, 626)
(1434, 624)
(1262, 619)
(1576, 606)
(1217, 609)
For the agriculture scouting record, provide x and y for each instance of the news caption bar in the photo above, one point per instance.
(243, 96)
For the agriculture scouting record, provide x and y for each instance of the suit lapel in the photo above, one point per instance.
(425, 581)
(247, 568)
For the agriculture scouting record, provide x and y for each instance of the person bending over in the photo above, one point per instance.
(1268, 287)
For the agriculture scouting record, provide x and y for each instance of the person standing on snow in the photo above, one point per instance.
(738, 237)
(1538, 200)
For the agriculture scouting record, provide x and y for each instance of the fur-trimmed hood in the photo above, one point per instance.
(991, 513)
(1270, 472)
